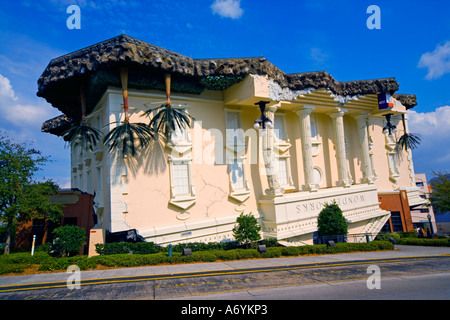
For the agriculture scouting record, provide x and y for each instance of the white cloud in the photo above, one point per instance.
(227, 8)
(6, 90)
(437, 62)
(435, 123)
(20, 114)
(433, 153)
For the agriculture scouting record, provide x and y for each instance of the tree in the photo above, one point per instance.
(331, 221)
(68, 241)
(20, 197)
(247, 229)
(440, 197)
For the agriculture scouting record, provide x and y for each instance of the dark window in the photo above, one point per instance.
(386, 227)
(70, 221)
(396, 221)
(424, 210)
(419, 184)
(38, 230)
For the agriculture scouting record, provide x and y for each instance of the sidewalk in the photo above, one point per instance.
(400, 251)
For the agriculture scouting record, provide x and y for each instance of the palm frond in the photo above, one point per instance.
(83, 135)
(125, 136)
(407, 141)
(167, 119)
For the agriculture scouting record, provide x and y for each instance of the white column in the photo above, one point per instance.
(366, 165)
(304, 114)
(339, 143)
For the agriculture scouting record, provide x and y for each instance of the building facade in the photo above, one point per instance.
(324, 142)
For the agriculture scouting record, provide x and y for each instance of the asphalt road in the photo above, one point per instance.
(399, 278)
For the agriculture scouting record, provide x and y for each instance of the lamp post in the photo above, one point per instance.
(263, 122)
(389, 127)
(431, 226)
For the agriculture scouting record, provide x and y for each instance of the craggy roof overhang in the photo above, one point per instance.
(97, 67)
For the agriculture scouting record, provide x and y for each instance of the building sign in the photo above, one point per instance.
(385, 101)
(344, 202)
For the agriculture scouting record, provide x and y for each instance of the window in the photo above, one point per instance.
(180, 134)
(237, 175)
(283, 176)
(396, 222)
(99, 180)
(234, 132)
(279, 128)
(419, 184)
(180, 178)
(70, 221)
(314, 135)
(235, 156)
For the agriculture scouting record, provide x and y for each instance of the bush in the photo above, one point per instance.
(247, 229)
(331, 221)
(127, 247)
(425, 242)
(385, 236)
(68, 241)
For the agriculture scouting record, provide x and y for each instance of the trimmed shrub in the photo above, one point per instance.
(331, 221)
(68, 241)
(425, 242)
(127, 247)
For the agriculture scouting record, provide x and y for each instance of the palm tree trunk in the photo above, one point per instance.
(124, 82)
(167, 78)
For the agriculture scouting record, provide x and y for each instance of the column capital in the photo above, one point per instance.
(306, 109)
(273, 108)
(338, 112)
(361, 115)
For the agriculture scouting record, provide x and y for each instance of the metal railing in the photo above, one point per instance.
(351, 238)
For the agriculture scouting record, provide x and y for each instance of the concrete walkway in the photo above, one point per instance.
(400, 251)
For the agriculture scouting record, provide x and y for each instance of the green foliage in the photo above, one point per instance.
(125, 136)
(68, 241)
(331, 221)
(18, 262)
(440, 197)
(167, 119)
(20, 197)
(126, 247)
(425, 242)
(220, 82)
(247, 229)
(82, 135)
(385, 236)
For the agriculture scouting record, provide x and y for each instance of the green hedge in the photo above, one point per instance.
(17, 262)
(150, 247)
(126, 248)
(425, 242)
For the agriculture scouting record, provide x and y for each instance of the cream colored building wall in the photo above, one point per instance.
(136, 193)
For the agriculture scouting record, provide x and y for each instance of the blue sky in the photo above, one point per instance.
(413, 45)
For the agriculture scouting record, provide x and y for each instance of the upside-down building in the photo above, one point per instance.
(276, 145)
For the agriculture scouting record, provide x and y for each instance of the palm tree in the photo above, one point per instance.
(168, 118)
(82, 134)
(126, 135)
(407, 141)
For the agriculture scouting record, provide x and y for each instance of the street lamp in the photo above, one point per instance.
(263, 122)
(389, 127)
(431, 225)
